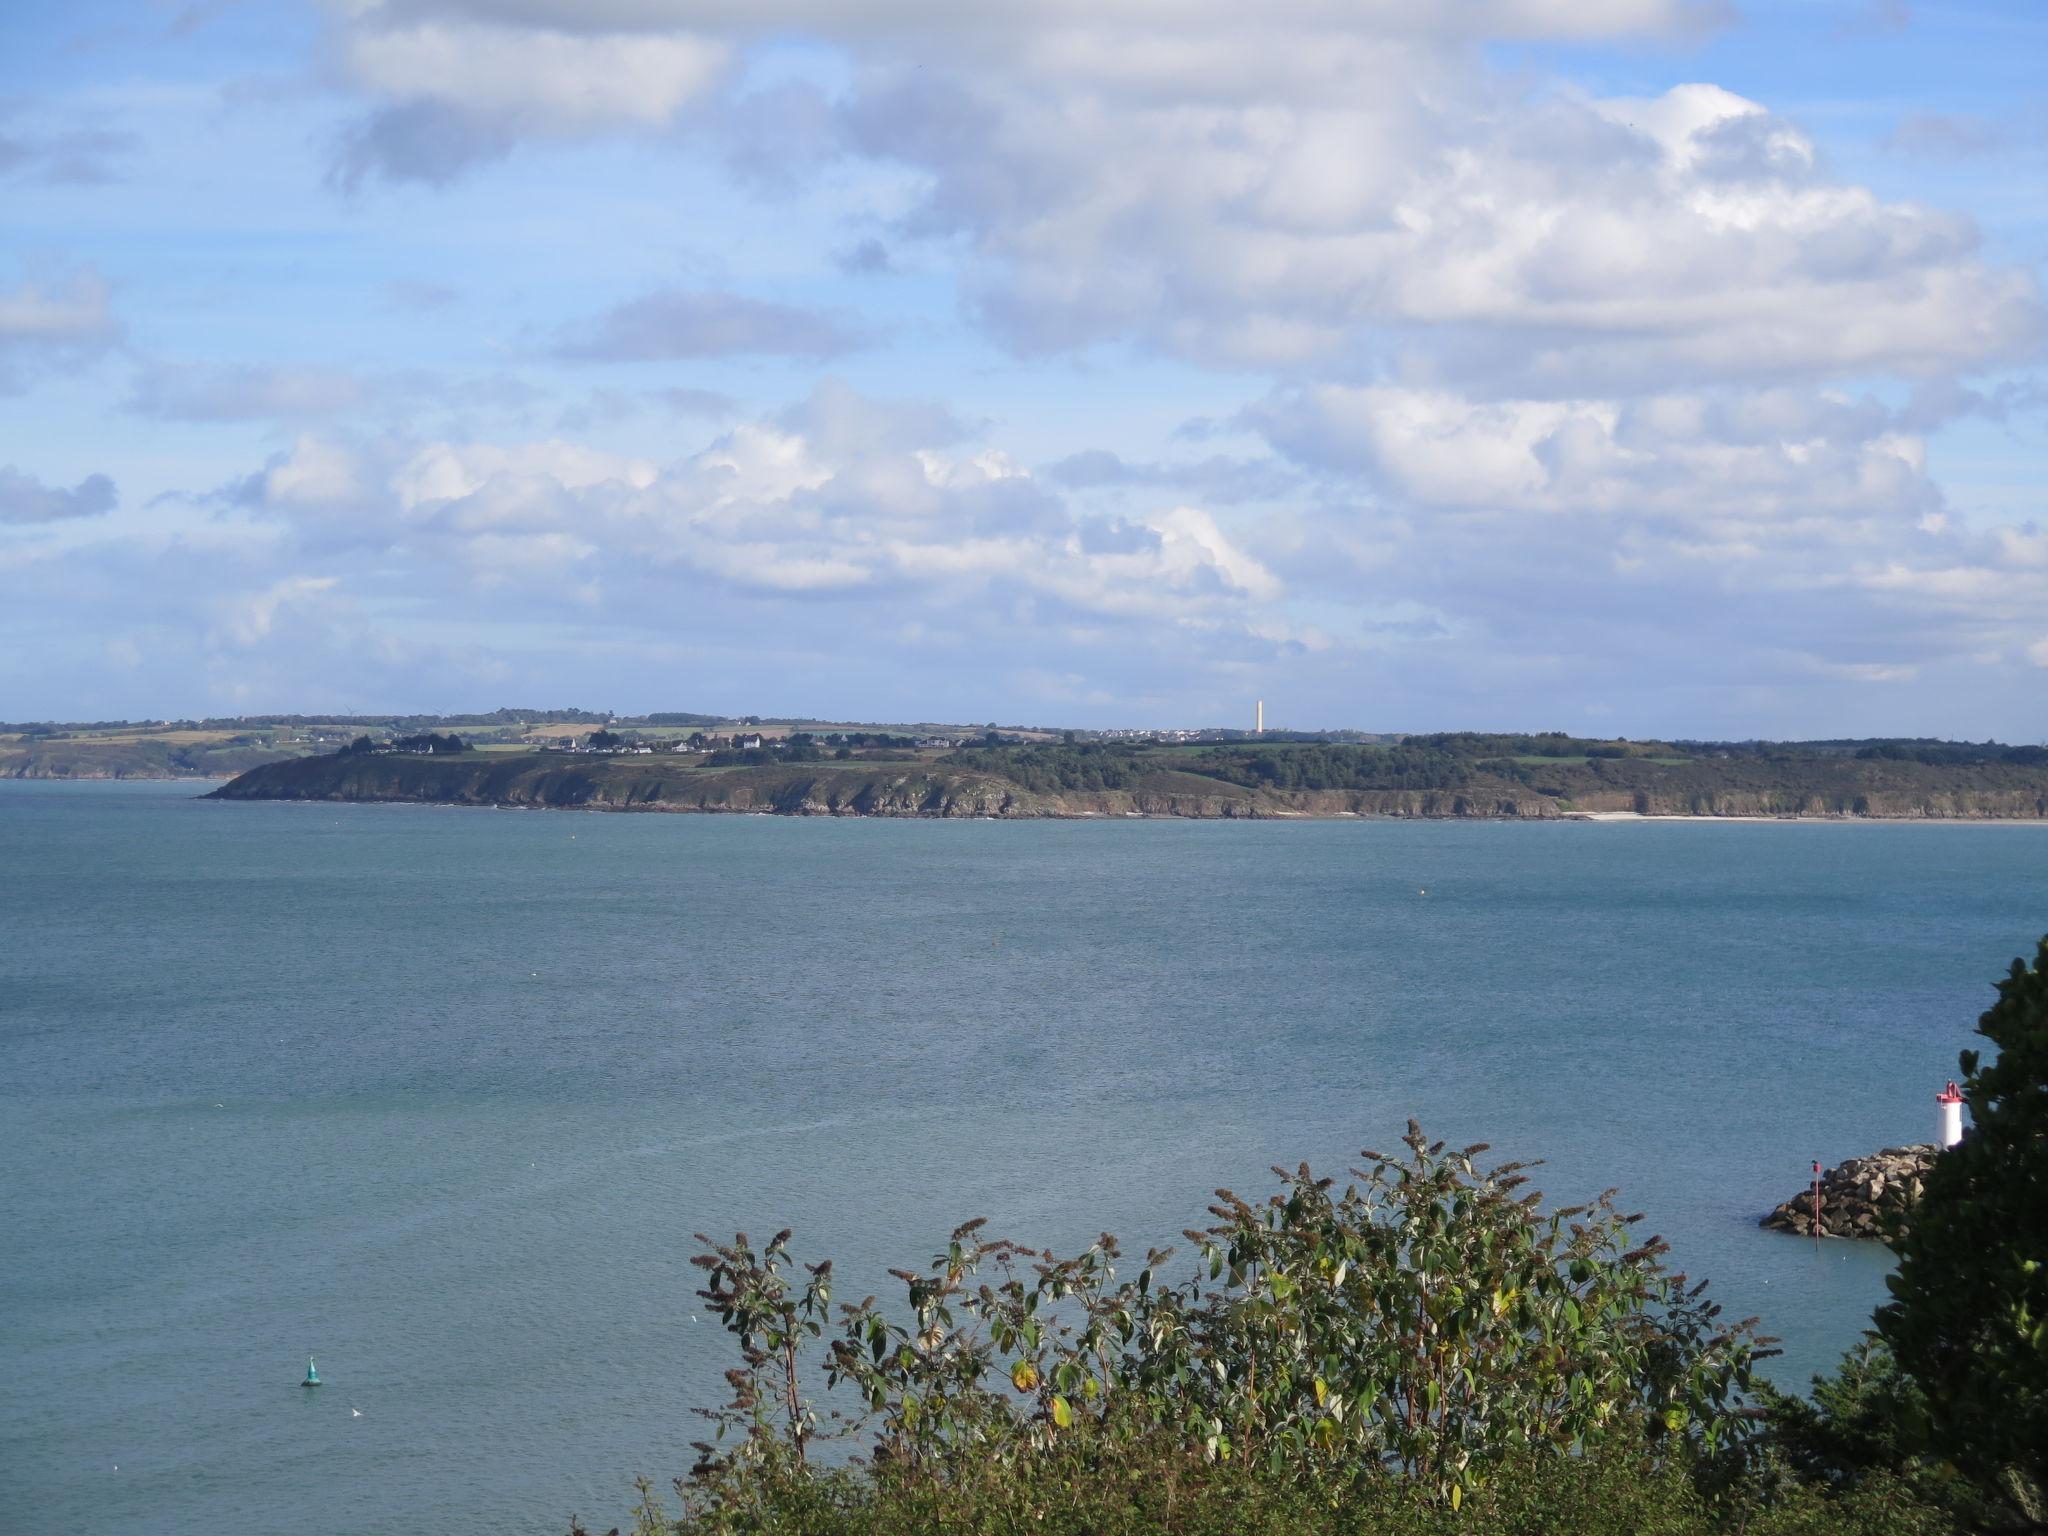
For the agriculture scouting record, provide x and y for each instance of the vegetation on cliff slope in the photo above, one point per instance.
(1421, 776)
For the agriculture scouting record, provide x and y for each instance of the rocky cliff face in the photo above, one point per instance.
(1860, 1197)
(855, 788)
(820, 789)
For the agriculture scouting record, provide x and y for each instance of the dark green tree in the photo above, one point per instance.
(1867, 1423)
(1968, 1319)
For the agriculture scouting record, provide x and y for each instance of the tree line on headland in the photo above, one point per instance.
(1420, 1350)
(1463, 775)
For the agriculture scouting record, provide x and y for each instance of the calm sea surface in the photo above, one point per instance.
(439, 1097)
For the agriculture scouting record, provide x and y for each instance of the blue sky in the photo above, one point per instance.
(1624, 366)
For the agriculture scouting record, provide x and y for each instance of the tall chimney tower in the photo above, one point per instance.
(1259, 718)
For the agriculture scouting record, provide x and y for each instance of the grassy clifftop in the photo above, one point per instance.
(183, 756)
(661, 783)
(1281, 780)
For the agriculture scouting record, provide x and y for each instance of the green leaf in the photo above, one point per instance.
(1062, 1413)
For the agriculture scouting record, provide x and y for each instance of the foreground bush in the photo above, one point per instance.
(1423, 1342)
(1427, 1320)
(1161, 1490)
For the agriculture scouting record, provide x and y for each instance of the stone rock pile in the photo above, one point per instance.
(1860, 1196)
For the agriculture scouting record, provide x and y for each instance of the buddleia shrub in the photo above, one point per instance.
(1422, 1327)
(1156, 1487)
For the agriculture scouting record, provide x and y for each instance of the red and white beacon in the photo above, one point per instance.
(1951, 1101)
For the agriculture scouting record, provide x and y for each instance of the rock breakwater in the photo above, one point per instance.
(1861, 1197)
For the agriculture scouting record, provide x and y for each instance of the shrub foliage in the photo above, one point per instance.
(1968, 1319)
(1429, 1323)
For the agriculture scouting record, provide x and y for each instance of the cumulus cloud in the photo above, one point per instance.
(1787, 534)
(838, 420)
(1767, 458)
(1321, 187)
(1772, 539)
(1439, 557)
(25, 499)
(839, 494)
(461, 88)
(673, 323)
(1217, 479)
(1560, 243)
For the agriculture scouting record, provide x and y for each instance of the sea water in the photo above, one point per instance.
(439, 1098)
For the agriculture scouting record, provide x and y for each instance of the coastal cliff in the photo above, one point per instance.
(131, 760)
(559, 781)
(1208, 787)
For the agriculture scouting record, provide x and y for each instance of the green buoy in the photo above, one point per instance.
(312, 1374)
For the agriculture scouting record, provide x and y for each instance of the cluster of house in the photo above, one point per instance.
(1122, 734)
(609, 744)
(309, 738)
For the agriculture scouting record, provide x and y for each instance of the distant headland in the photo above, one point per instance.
(991, 772)
(572, 758)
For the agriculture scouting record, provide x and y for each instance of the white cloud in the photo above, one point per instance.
(250, 617)
(318, 473)
(1559, 242)
(444, 472)
(855, 504)
(460, 87)
(1315, 186)
(555, 81)
(1794, 532)
(1776, 459)
(1592, 548)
